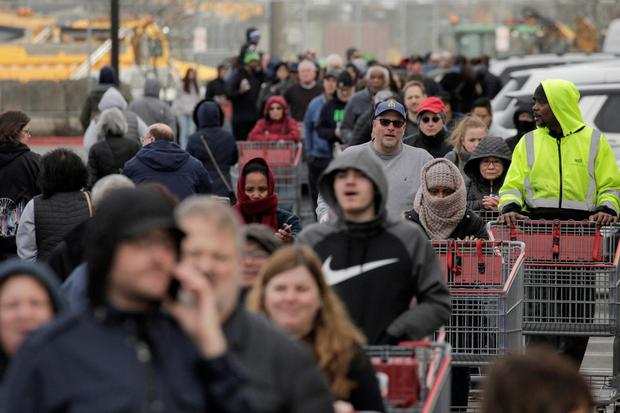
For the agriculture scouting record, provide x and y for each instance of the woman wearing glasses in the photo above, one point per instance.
(19, 171)
(276, 124)
(486, 168)
(431, 121)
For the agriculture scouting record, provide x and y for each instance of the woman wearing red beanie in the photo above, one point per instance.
(431, 121)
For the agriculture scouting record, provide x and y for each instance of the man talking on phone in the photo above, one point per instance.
(283, 376)
(125, 353)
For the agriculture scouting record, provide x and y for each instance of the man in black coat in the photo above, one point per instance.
(243, 90)
(124, 353)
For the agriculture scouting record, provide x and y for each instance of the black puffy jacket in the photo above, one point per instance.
(109, 156)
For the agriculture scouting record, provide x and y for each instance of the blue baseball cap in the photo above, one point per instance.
(388, 105)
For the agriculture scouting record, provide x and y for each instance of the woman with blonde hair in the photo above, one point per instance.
(465, 139)
(291, 291)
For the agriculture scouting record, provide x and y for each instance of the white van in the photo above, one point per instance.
(599, 106)
(583, 74)
(504, 67)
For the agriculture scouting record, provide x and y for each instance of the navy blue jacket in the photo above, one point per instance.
(222, 143)
(108, 361)
(165, 162)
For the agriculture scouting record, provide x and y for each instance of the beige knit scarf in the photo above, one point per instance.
(440, 216)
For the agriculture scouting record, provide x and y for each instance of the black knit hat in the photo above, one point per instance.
(539, 93)
(125, 214)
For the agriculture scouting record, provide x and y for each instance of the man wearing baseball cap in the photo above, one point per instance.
(432, 135)
(401, 163)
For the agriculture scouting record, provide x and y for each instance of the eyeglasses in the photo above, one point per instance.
(27, 132)
(386, 122)
(489, 162)
(275, 108)
(426, 119)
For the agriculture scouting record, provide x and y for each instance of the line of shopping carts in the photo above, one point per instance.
(570, 283)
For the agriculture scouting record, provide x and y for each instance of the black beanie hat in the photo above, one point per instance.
(125, 214)
(539, 93)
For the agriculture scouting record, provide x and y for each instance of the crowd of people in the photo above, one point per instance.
(154, 284)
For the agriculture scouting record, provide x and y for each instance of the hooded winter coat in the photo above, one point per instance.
(377, 267)
(221, 142)
(523, 127)
(435, 145)
(46, 278)
(19, 171)
(109, 360)
(567, 176)
(477, 186)
(150, 108)
(165, 162)
(266, 210)
(107, 79)
(112, 98)
(268, 130)
(110, 154)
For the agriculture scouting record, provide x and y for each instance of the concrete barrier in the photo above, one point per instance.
(54, 107)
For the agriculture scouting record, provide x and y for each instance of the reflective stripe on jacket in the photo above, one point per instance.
(577, 171)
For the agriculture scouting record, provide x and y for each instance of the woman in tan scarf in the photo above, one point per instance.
(440, 205)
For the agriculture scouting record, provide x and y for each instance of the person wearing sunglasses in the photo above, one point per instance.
(432, 135)
(401, 163)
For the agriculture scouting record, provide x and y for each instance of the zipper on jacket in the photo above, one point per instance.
(560, 162)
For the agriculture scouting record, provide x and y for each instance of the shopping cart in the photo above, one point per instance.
(570, 278)
(488, 215)
(283, 159)
(414, 376)
(485, 282)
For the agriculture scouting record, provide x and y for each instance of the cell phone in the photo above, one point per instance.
(173, 289)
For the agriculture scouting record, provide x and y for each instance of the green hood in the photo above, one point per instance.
(563, 98)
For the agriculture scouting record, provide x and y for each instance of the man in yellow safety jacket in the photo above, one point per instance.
(563, 169)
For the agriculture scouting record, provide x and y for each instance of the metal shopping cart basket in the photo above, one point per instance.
(485, 282)
(570, 278)
(284, 160)
(414, 376)
(488, 215)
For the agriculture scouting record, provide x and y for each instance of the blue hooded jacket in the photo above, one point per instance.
(166, 163)
(221, 142)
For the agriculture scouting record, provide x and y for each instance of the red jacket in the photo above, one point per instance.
(285, 129)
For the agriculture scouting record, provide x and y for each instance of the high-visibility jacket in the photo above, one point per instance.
(576, 171)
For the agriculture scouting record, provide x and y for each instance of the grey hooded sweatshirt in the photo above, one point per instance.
(112, 98)
(377, 267)
(150, 108)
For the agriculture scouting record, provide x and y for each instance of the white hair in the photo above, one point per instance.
(111, 122)
(306, 63)
(108, 184)
(210, 208)
(334, 61)
(386, 73)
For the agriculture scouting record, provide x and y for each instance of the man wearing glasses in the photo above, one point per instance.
(432, 135)
(401, 163)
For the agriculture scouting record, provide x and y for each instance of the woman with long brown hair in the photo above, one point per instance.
(291, 291)
(465, 138)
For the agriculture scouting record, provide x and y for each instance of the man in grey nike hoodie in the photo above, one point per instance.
(377, 264)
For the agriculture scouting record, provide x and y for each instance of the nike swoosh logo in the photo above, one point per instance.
(334, 277)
